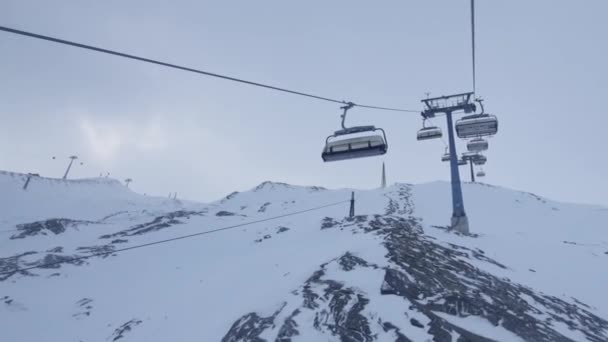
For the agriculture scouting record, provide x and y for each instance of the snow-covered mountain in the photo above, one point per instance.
(534, 269)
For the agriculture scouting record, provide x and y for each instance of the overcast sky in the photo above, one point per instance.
(541, 69)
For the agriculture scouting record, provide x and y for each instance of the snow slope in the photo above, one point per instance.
(534, 270)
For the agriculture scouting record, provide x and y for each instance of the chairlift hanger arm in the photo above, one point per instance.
(480, 101)
(346, 107)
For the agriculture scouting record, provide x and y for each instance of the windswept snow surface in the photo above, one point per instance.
(534, 270)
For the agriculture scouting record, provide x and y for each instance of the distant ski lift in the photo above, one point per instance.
(462, 162)
(481, 173)
(477, 145)
(343, 146)
(476, 125)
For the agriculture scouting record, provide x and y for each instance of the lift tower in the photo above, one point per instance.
(72, 158)
(448, 105)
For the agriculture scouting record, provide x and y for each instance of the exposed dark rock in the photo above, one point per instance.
(249, 327)
(434, 278)
(159, 223)
(536, 197)
(84, 308)
(112, 215)
(263, 207)
(10, 264)
(224, 213)
(272, 185)
(415, 323)
(388, 326)
(57, 249)
(282, 229)
(229, 196)
(263, 238)
(56, 260)
(55, 226)
(445, 283)
(125, 328)
(289, 328)
(102, 250)
(328, 222)
(348, 262)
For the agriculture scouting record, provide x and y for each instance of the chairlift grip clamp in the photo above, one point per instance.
(480, 101)
(348, 105)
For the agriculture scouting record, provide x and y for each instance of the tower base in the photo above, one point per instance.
(460, 224)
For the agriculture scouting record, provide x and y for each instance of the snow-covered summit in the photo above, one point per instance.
(289, 265)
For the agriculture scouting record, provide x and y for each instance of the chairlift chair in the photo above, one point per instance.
(476, 125)
(445, 157)
(481, 173)
(462, 162)
(477, 145)
(427, 133)
(340, 145)
(480, 159)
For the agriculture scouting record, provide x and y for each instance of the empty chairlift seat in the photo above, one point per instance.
(445, 157)
(481, 174)
(469, 155)
(477, 125)
(477, 145)
(462, 162)
(340, 147)
(427, 133)
(479, 160)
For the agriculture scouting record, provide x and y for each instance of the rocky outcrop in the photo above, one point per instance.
(55, 226)
(158, 223)
(440, 288)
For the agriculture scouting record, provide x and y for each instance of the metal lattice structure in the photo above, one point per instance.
(448, 105)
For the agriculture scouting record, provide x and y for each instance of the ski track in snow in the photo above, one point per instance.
(534, 270)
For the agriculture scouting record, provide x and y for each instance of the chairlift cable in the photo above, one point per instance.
(198, 71)
(473, 41)
(83, 257)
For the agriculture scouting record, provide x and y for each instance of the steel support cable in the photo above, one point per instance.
(202, 72)
(83, 257)
(473, 41)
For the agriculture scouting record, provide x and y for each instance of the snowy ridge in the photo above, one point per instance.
(80, 199)
(534, 270)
